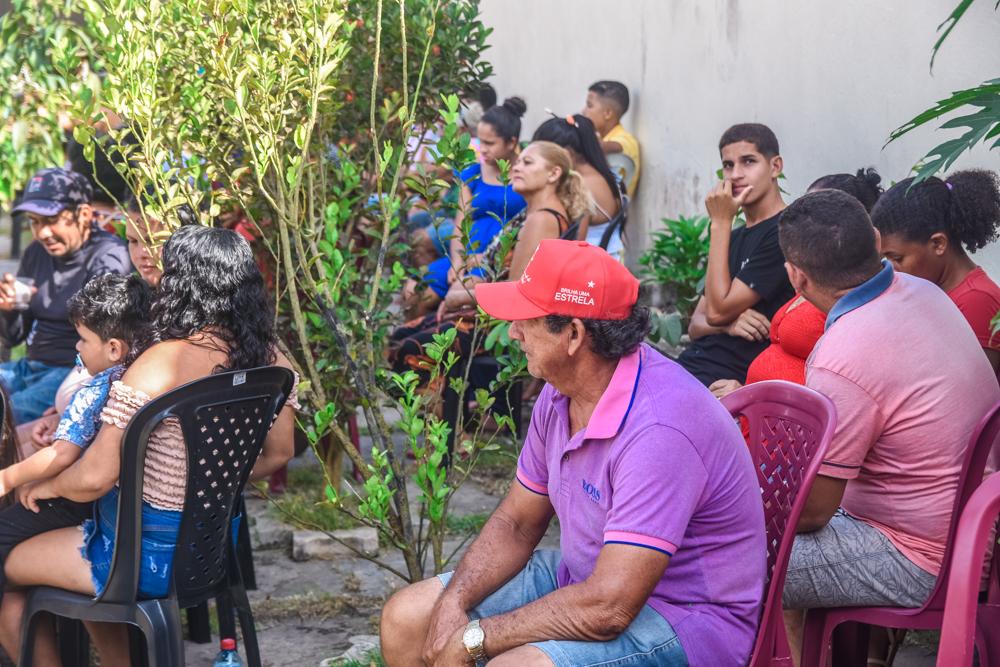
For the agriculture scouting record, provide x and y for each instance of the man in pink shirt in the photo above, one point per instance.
(662, 544)
(910, 383)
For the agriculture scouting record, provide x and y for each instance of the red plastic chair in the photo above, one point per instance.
(962, 623)
(820, 623)
(790, 428)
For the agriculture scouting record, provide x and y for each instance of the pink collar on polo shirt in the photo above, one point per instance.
(612, 409)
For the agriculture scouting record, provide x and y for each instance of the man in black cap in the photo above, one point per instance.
(67, 252)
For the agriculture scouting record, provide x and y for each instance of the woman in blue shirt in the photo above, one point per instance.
(487, 202)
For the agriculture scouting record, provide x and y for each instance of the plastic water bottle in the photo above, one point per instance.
(228, 657)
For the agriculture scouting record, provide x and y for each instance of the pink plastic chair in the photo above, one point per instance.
(820, 623)
(962, 623)
(790, 428)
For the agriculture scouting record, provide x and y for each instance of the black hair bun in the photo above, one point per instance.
(870, 176)
(974, 207)
(515, 105)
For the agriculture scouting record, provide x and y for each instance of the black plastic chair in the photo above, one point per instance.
(199, 624)
(224, 419)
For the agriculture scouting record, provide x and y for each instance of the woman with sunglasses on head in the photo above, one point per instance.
(576, 133)
(555, 194)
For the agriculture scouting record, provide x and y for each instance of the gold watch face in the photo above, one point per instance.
(473, 637)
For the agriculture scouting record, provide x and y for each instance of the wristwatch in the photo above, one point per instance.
(473, 639)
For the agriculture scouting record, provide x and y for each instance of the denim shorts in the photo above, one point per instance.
(31, 387)
(848, 563)
(159, 541)
(649, 640)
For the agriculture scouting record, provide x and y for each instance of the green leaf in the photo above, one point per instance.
(299, 137)
(950, 22)
(981, 125)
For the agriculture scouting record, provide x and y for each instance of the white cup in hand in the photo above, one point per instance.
(24, 289)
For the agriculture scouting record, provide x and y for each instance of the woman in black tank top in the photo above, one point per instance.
(544, 176)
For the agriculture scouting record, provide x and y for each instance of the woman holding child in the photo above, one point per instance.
(210, 314)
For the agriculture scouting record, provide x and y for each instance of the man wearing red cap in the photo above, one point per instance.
(662, 539)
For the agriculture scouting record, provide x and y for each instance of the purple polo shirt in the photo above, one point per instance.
(661, 465)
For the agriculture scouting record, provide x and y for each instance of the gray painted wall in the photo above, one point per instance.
(831, 78)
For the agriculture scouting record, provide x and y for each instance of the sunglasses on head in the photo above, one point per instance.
(569, 118)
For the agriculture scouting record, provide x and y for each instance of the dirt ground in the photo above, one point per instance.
(307, 611)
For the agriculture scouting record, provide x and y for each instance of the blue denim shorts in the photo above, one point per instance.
(31, 386)
(649, 640)
(159, 541)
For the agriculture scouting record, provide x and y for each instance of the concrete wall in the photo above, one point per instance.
(832, 79)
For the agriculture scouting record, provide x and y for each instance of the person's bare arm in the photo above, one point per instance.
(749, 324)
(96, 472)
(46, 462)
(611, 147)
(461, 295)
(456, 247)
(597, 609)
(279, 446)
(699, 326)
(501, 550)
(725, 297)
(537, 227)
(89, 478)
(824, 499)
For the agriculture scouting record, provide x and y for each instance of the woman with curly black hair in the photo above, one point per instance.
(928, 229)
(211, 313)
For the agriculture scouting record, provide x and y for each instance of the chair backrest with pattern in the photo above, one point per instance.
(982, 443)
(224, 419)
(789, 429)
(972, 542)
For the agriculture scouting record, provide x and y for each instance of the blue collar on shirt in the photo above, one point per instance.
(862, 294)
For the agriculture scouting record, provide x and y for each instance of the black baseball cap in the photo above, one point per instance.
(53, 190)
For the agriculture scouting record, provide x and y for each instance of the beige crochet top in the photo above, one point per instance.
(165, 471)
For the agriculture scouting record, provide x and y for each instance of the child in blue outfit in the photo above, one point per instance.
(107, 314)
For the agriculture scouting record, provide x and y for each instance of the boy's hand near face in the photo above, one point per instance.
(722, 206)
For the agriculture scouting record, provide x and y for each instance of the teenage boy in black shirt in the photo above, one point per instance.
(746, 282)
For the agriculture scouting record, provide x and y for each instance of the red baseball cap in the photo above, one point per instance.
(570, 278)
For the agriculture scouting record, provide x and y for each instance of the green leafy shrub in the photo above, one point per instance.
(299, 116)
(676, 260)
